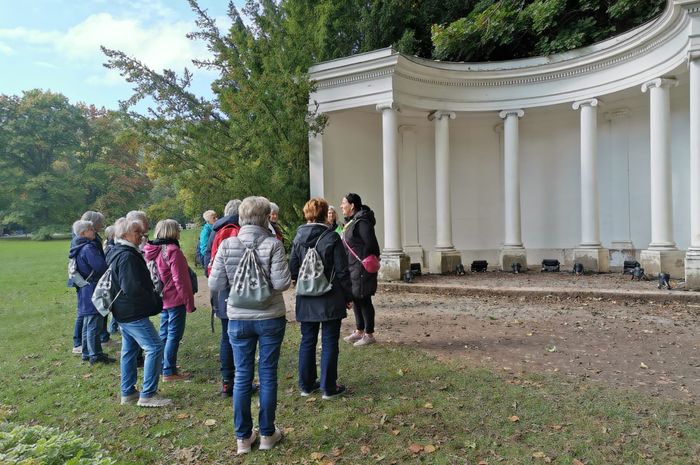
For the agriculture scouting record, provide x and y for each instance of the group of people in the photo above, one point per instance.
(124, 255)
(248, 270)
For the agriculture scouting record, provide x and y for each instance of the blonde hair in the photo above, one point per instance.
(167, 229)
(208, 215)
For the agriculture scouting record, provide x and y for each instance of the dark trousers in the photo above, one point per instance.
(364, 314)
(330, 333)
(228, 369)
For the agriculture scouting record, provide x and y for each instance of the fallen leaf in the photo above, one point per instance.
(336, 452)
(429, 449)
(577, 462)
(310, 399)
(538, 455)
(415, 448)
(365, 450)
(328, 462)
(400, 372)
(551, 348)
(643, 366)
(428, 405)
(316, 456)
(182, 416)
(87, 375)
(395, 432)
(210, 422)
(482, 462)
(514, 418)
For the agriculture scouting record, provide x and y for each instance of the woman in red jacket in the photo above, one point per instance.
(178, 298)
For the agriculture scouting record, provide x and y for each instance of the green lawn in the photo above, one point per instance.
(403, 406)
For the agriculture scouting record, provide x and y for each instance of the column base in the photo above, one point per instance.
(510, 256)
(668, 261)
(594, 259)
(692, 270)
(444, 261)
(415, 254)
(393, 267)
(619, 252)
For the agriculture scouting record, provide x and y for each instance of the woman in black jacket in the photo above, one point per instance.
(325, 311)
(136, 301)
(360, 241)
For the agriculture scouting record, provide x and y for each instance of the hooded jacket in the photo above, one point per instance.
(91, 266)
(331, 305)
(270, 252)
(223, 228)
(360, 236)
(173, 270)
(137, 299)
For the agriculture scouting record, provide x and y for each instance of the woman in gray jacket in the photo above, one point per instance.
(254, 325)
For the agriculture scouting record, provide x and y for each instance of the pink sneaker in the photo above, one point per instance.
(366, 340)
(354, 337)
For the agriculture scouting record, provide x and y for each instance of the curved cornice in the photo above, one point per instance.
(628, 60)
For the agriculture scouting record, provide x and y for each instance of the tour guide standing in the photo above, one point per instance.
(134, 304)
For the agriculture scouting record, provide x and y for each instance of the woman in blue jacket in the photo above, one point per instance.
(91, 265)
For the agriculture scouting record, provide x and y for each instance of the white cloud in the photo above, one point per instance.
(6, 49)
(159, 45)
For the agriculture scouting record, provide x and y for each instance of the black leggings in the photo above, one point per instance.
(364, 314)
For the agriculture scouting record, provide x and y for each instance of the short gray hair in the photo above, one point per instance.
(124, 226)
(138, 215)
(97, 218)
(254, 210)
(231, 207)
(274, 207)
(109, 232)
(81, 226)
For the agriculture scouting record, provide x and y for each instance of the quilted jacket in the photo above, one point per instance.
(272, 258)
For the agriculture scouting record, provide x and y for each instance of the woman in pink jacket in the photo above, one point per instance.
(178, 298)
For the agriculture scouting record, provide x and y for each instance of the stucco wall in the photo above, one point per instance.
(549, 169)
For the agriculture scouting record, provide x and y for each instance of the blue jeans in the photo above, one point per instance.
(226, 354)
(245, 336)
(140, 334)
(78, 332)
(92, 348)
(330, 333)
(172, 327)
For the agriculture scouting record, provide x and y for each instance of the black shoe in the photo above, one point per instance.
(102, 359)
(339, 390)
(314, 388)
(226, 389)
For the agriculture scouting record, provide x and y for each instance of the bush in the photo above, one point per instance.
(46, 233)
(29, 445)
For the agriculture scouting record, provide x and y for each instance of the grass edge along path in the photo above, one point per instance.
(403, 405)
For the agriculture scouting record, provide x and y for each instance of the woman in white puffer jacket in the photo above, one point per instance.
(264, 324)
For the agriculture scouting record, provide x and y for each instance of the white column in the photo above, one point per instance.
(590, 222)
(692, 256)
(316, 179)
(390, 152)
(660, 148)
(443, 202)
(694, 65)
(511, 178)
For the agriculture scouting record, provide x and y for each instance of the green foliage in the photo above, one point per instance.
(507, 29)
(253, 138)
(58, 160)
(29, 445)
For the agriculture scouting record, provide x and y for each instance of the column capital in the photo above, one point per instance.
(439, 114)
(662, 82)
(591, 102)
(517, 112)
(387, 106)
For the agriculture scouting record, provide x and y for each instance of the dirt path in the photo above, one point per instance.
(647, 344)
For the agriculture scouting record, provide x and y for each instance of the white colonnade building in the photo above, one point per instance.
(589, 156)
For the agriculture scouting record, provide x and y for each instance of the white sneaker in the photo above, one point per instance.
(244, 445)
(367, 339)
(131, 398)
(268, 442)
(155, 401)
(354, 337)
(77, 350)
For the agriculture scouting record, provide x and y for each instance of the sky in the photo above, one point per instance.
(55, 44)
